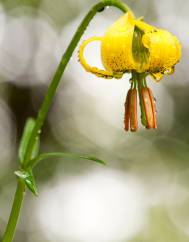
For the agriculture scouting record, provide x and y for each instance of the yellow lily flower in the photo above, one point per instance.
(129, 37)
(131, 45)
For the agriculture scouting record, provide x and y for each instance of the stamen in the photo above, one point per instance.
(149, 107)
(133, 110)
(126, 118)
(130, 119)
(153, 108)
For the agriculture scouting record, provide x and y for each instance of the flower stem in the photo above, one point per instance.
(63, 63)
(11, 226)
(16, 207)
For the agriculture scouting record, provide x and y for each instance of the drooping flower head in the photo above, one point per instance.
(133, 46)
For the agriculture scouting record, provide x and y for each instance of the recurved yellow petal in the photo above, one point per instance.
(119, 56)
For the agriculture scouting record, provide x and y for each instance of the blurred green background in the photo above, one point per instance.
(142, 194)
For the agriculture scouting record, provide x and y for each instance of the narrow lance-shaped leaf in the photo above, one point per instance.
(30, 123)
(63, 155)
(29, 180)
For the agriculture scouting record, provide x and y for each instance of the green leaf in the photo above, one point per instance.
(29, 180)
(63, 155)
(140, 52)
(30, 123)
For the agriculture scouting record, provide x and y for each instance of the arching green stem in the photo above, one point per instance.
(63, 63)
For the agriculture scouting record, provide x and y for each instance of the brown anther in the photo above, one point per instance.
(130, 119)
(149, 107)
(153, 107)
(127, 116)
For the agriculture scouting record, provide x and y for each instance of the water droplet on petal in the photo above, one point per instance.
(157, 76)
